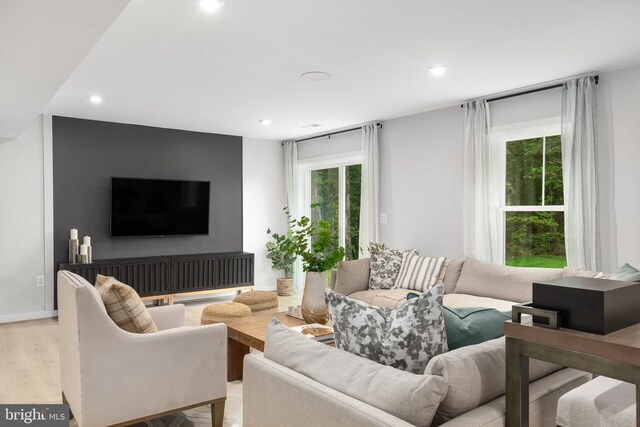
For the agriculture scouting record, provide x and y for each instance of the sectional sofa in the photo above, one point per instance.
(474, 375)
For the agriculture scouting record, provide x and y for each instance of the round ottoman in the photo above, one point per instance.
(259, 301)
(224, 312)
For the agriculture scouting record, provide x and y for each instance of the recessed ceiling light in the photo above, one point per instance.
(312, 125)
(437, 71)
(96, 99)
(265, 122)
(316, 76)
(210, 6)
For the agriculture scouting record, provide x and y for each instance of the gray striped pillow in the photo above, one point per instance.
(419, 273)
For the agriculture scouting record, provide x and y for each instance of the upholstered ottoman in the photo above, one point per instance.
(224, 312)
(259, 301)
(600, 402)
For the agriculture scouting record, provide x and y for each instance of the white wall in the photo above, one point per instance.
(421, 182)
(22, 225)
(263, 197)
(619, 150)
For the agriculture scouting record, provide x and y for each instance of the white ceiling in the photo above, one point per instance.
(166, 63)
(41, 43)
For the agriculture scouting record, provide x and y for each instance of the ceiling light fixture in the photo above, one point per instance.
(437, 71)
(315, 76)
(210, 6)
(312, 125)
(95, 99)
(265, 122)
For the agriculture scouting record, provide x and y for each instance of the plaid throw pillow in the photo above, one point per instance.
(124, 306)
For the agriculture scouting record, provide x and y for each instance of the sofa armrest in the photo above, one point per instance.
(334, 278)
(281, 397)
(168, 316)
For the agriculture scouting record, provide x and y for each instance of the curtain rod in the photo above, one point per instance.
(329, 134)
(527, 92)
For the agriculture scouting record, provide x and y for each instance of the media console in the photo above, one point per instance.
(167, 277)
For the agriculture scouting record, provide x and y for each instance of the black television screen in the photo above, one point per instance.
(156, 207)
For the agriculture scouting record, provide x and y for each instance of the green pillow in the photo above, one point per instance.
(471, 325)
(626, 273)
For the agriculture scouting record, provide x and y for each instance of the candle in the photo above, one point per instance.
(87, 240)
(84, 249)
(74, 234)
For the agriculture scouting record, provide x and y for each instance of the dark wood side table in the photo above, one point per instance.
(616, 355)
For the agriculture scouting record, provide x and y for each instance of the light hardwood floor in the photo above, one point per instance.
(29, 361)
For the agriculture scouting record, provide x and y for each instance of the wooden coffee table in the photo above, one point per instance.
(248, 333)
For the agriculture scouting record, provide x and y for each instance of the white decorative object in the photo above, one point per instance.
(74, 245)
(87, 241)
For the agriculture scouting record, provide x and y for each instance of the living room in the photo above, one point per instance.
(405, 127)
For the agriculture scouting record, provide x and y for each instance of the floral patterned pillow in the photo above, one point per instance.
(385, 265)
(405, 338)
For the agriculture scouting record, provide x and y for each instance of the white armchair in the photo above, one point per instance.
(113, 377)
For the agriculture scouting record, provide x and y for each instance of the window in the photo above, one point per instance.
(335, 190)
(534, 200)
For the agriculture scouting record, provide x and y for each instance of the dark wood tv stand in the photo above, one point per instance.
(167, 277)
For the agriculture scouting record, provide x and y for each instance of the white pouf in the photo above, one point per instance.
(600, 402)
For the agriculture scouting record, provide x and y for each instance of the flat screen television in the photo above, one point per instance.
(158, 207)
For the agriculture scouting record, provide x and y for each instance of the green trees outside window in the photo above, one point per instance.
(534, 212)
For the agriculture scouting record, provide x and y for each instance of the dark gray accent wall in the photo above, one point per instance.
(87, 153)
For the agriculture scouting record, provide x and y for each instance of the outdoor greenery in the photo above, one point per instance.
(534, 239)
(325, 194)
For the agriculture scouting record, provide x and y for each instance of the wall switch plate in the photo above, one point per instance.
(383, 218)
(40, 281)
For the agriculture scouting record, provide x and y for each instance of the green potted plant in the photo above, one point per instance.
(316, 246)
(282, 253)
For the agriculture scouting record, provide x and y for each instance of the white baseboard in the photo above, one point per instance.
(20, 317)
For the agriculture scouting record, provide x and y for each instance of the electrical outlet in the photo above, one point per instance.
(40, 281)
(383, 218)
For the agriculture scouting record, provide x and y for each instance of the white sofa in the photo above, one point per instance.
(475, 374)
(113, 377)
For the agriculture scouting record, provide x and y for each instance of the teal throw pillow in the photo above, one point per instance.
(471, 325)
(626, 273)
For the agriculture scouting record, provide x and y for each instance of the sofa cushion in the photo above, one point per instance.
(465, 300)
(627, 273)
(413, 398)
(452, 270)
(385, 265)
(473, 325)
(405, 337)
(476, 375)
(124, 306)
(576, 272)
(392, 298)
(352, 276)
(368, 295)
(418, 273)
(502, 282)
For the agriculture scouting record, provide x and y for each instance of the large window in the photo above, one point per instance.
(534, 202)
(335, 190)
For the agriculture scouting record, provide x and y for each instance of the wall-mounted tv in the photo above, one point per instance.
(158, 207)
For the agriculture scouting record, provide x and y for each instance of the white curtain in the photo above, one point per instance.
(290, 150)
(482, 223)
(370, 187)
(580, 173)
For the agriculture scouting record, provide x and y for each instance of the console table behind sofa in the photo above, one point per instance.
(167, 277)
